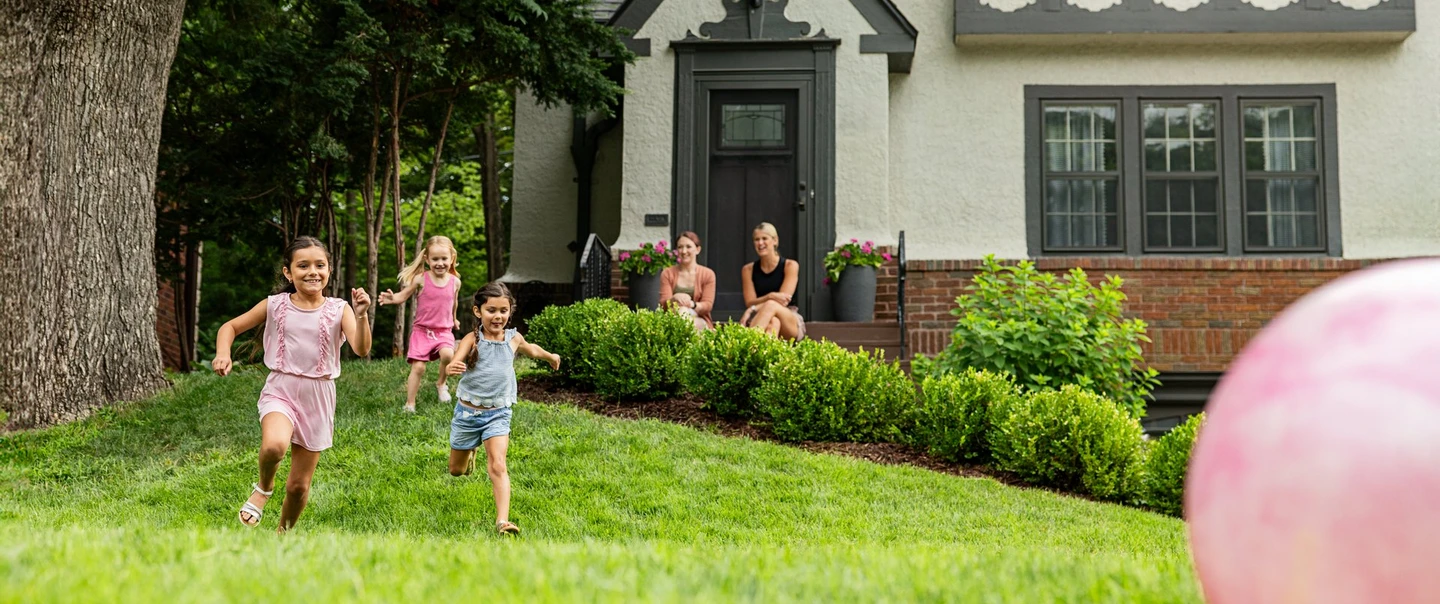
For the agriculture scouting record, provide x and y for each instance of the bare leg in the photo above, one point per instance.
(275, 431)
(789, 324)
(773, 328)
(447, 353)
(412, 385)
(297, 485)
(700, 324)
(763, 315)
(495, 449)
(460, 461)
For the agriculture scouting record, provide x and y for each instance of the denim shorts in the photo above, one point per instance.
(471, 426)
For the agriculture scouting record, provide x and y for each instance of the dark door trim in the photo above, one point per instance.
(806, 66)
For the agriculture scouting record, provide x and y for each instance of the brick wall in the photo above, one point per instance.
(1199, 312)
(167, 327)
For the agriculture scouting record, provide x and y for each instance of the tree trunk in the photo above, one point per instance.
(349, 245)
(434, 171)
(490, 197)
(82, 93)
(398, 347)
(374, 214)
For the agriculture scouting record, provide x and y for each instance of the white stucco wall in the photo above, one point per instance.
(542, 195)
(861, 108)
(605, 187)
(957, 127)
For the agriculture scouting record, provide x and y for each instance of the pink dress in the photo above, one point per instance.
(302, 350)
(434, 320)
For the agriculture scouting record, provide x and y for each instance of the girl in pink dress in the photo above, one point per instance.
(433, 273)
(303, 334)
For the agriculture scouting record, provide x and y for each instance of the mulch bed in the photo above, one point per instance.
(686, 410)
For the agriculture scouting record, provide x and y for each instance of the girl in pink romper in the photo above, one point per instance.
(433, 273)
(304, 331)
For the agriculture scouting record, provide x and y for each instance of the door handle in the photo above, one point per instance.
(806, 195)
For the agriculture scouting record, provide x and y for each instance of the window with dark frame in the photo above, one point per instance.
(1218, 170)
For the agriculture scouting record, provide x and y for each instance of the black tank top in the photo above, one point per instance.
(767, 283)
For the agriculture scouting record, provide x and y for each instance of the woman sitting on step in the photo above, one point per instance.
(769, 287)
(687, 287)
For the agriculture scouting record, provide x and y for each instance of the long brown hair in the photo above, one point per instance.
(494, 289)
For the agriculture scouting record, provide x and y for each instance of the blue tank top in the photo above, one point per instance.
(490, 380)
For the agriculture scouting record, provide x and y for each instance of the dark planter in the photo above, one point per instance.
(645, 291)
(854, 295)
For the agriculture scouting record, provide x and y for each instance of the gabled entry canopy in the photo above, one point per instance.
(765, 20)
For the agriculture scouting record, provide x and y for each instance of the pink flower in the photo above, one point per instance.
(827, 281)
(854, 241)
(661, 246)
(845, 253)
(645, 258)
(886, 256)
(867, 247)
(624, 256)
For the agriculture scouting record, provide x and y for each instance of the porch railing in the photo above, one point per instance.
(592, 274)
(900, 296)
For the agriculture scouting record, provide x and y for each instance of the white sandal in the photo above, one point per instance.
(249, 508)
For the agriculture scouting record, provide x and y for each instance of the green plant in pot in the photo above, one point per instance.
(850, 273)
(642, 272)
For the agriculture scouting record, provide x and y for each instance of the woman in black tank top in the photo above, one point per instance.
(769, 285)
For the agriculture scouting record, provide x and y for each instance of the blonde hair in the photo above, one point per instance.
(417, 266)
(769, 229)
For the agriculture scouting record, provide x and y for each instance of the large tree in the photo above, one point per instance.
(82, 91)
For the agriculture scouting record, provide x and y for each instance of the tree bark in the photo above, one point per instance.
(398, 347)
(490, 197)
(374, 214)
(349, 244)
(82, 93)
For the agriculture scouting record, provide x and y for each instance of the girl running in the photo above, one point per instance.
(433, 274)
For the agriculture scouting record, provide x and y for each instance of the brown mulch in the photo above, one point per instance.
(686, 410)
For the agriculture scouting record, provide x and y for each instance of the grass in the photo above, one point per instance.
(139, 503)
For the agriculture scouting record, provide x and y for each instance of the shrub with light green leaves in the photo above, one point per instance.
(639, 355)
(820, 391)
(574, 332)
(1070, 439)
(1164, 488)
(725, 366)
(953, 420)
(1049, 332)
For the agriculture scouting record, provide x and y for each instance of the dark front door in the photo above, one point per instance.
(753, 179)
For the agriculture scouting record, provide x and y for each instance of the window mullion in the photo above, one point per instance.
(1231, 131)
(1130, 137)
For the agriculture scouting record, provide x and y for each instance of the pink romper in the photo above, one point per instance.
(302, 350)
(434, 318)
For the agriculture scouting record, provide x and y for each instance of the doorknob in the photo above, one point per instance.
(806, 195)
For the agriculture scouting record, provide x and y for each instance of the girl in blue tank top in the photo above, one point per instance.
(485, 362)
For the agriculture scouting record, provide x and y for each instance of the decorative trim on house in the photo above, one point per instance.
(1108, 171)
(894, 34)
(980, 18)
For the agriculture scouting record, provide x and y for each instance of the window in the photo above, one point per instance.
(747, 126)
(1182, 170)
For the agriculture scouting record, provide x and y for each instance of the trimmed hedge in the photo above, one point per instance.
(725, 366)
(638, 355)
(574, 333)
(1070, 439)
(1164, 486)
(954, 420)
(819, 391)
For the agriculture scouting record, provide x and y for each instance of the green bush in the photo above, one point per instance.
(1049, 332)
(1164, 486)
(954, 418)
(1070, 439)
(725, 366)
(574, 333)
(819, 391)
(638, 356)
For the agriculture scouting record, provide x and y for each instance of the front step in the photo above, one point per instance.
(852, 336)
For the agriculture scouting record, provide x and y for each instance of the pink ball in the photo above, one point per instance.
(1316, 477)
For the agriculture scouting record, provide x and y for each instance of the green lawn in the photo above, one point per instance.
(140, 503)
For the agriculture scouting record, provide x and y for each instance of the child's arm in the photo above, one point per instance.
(462, 351)
(456, 310)
(356, 322)
(534, 351)
(232, 328)
(387, 298)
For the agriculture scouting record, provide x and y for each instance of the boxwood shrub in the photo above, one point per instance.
(1070, 439)
(725, 365)
(574, 333)
(639, 355)
(819, 391)
(953, 420)
(1164, 487)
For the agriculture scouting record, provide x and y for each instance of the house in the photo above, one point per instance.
(1223, 156)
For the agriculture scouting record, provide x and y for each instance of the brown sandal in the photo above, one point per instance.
(505, 527)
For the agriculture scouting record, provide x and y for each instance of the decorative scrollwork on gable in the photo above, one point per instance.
(754, 20)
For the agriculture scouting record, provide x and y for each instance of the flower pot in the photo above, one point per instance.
(854, 295)
(644, 291)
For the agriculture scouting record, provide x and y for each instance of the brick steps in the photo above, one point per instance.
(881, 335)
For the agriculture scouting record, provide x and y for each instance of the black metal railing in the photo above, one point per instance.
(592, 274)
(900, 295)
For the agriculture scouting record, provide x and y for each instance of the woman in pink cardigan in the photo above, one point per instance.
(688, 287)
